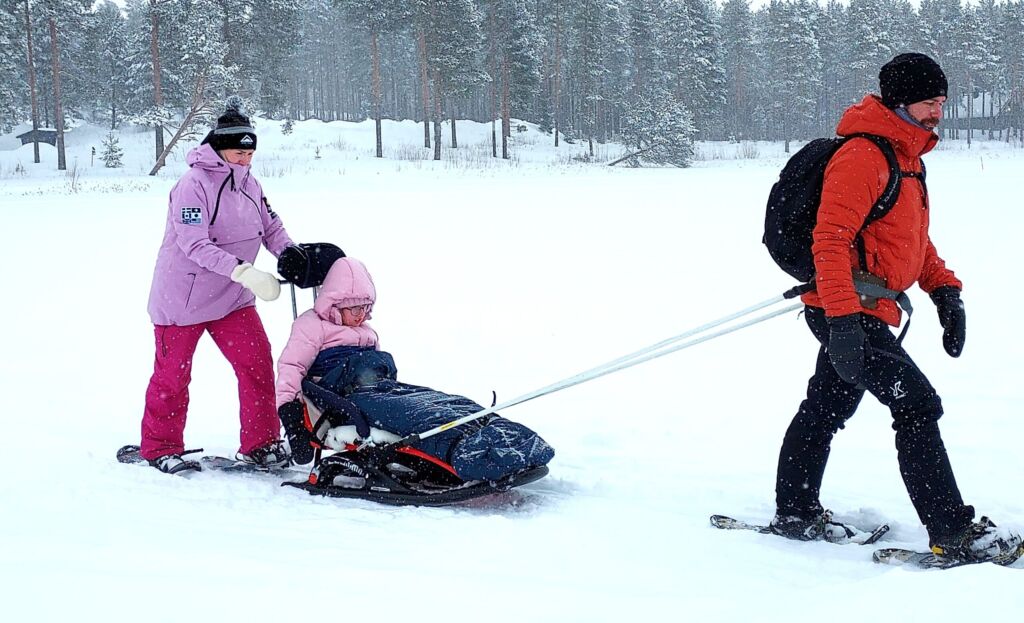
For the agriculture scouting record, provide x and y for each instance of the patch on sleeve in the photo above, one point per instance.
(269, 211)
(192, 216)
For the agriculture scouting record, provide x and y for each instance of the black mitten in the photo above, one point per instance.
(846, 347)
(299, 437)
(952, 318)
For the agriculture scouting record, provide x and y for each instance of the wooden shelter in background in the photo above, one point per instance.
(45, 135)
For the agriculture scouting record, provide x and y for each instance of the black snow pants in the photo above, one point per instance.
(893, 378)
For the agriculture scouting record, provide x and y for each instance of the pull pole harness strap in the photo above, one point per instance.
(864, 288)
(885, 202)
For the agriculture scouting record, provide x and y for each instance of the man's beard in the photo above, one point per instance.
(931, 122)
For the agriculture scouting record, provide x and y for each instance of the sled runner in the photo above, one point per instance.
(401, 476)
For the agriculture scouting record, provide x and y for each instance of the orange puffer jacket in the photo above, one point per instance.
(897, 246)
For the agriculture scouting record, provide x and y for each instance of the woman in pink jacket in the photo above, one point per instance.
(203, 282)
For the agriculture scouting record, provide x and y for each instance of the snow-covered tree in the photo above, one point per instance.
(693, 44)
(102, 70)
(738, 61)
(112, 152)
(660, 128)
(454, 53)
(200, 78)
(11, 52)
(871, 43)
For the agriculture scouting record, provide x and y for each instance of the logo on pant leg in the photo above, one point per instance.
(898, 391)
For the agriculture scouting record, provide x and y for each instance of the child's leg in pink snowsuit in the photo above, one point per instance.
(163, 423)
(240, 336)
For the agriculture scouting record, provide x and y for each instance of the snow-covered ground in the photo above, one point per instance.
(491, 276)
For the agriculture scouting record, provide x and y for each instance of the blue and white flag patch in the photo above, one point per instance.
(192, 216)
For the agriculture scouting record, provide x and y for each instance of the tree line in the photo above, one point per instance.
(654, 75)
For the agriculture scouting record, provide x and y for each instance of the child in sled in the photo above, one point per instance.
(333, 359)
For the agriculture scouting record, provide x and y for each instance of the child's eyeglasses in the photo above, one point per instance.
(359, 309)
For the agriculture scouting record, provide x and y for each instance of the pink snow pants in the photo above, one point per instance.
(242, 340)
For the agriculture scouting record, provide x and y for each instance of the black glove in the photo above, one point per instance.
(846, 347)
(299, 437)
(952, 318)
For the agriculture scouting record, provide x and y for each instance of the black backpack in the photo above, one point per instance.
(793, 202)
(306, 264)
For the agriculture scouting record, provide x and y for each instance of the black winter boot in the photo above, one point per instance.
(300, 438)
(982, 541)
(174, 464)
(274, 454)
(817, 528)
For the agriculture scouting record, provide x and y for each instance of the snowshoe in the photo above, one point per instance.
(981, 541)
(130, 454)
(823, 528)
(273, 455)
(401, 477)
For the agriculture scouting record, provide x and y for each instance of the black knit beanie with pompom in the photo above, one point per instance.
(234, 130)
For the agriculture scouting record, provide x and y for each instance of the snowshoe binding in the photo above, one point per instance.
(168, 464)
(819, 528)
(981, 541)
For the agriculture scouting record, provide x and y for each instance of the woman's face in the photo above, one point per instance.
(354, 316)
(237, 156)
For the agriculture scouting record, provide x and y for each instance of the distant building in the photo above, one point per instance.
(46, 135)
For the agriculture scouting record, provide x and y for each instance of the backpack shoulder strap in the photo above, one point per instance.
(891, 192)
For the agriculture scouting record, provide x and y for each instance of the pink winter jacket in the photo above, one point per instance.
(347, 284)
(217, 218)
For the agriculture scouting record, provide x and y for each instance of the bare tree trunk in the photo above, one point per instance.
(494, 90)
(376, 93)
(198, 104)
(154, 51)
(638, 152)
(32, 86)
(437, 114)
(557, 108)
(970, 109)
(425, 86)
(455, 139)
(58, 111)
(506, 122)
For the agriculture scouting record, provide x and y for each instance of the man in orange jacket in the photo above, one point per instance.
(858, 350)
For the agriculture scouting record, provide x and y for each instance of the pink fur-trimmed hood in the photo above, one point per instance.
(347, 284)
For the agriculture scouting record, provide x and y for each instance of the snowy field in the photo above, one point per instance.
(491, 276)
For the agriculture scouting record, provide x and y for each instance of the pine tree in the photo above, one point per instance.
(693, 41)
(513, 35)
(112, 152)
(1011, 51)
(795, 69)
(976, 52)
(657, 123)
(11, 47)
(871, 43)
(738, 60)
(199, 76)
(102, 69)
(836, 91)
(454, 51)
(589, 66)
(376, 17)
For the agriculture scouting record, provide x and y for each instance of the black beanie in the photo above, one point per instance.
(911, 78)
(234, 130)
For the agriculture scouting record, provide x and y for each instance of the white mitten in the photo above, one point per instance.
(263, 285)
